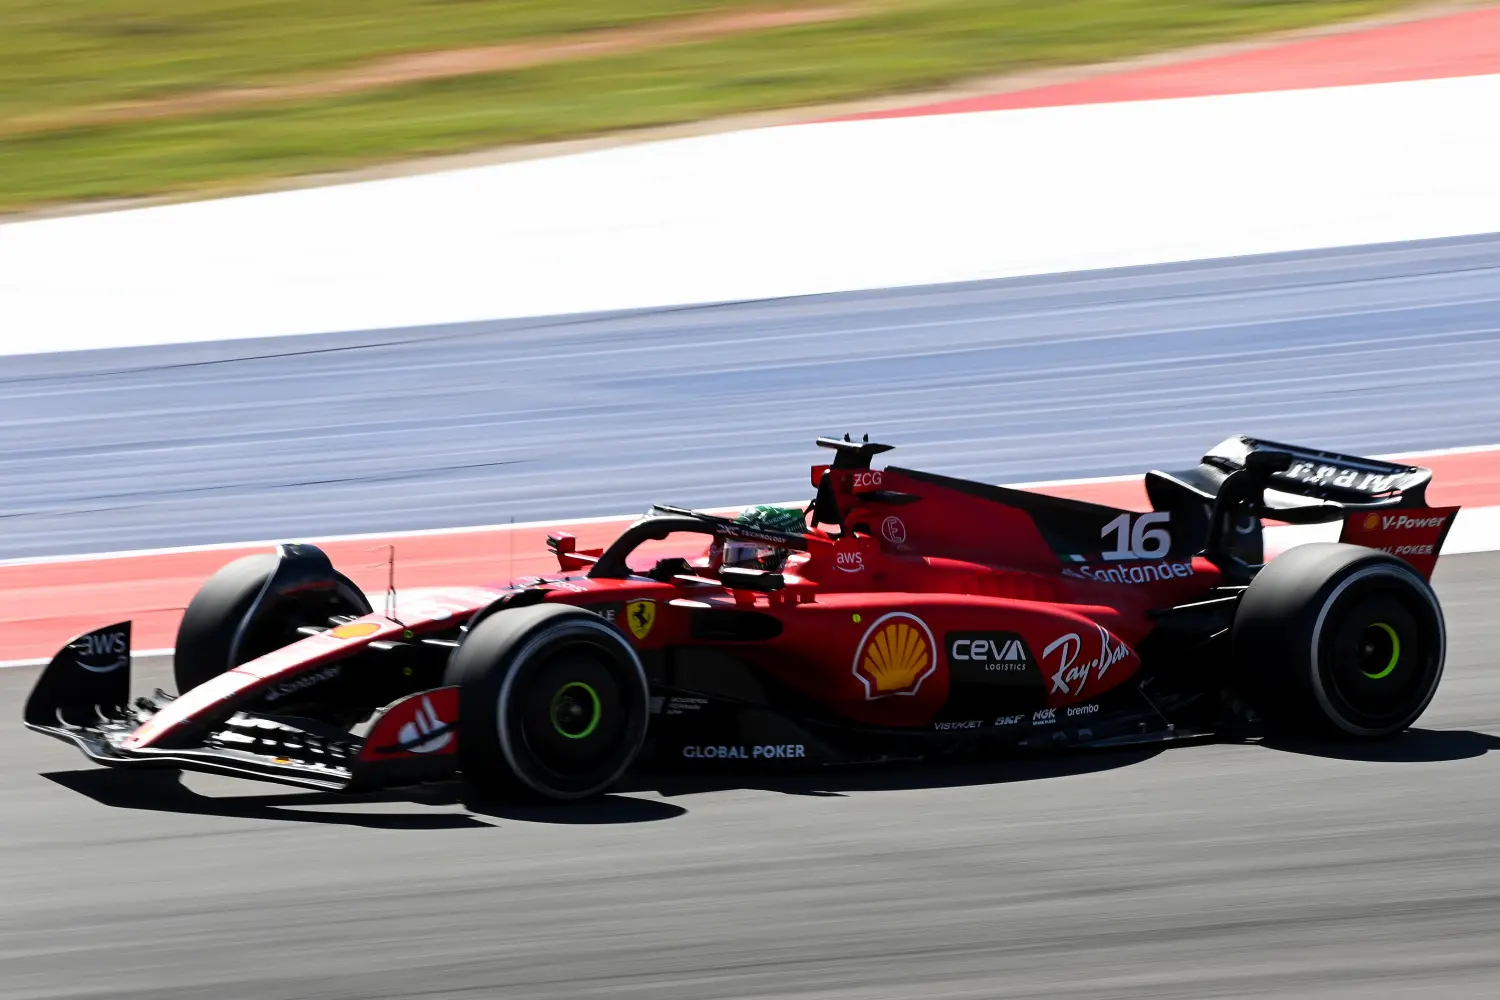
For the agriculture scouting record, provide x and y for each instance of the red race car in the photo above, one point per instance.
(902, 614)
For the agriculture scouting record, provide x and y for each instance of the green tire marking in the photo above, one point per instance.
(598, 709)
(1395, 652)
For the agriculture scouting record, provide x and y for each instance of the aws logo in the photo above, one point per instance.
(895, 656)
(102, 652)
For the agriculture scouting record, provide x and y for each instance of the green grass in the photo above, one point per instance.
(902, 45)
(60, 54)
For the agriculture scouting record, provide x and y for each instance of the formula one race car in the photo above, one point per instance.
(901, 615)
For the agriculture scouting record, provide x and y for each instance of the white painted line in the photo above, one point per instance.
(42, 662)
(376, 536)
(396, 536)
(820, 207)
(1476, 530)
(1468, 449)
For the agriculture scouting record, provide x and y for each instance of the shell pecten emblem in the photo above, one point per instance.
(895, 656)
(354, 630)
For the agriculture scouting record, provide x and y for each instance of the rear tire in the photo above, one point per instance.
(553, 703)
(1334, 639)
(205, 645)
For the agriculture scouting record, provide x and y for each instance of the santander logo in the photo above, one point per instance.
(424, 723)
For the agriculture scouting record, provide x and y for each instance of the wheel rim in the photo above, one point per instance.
(576, 710)
(1380, 658)
(1380, 639)
(570, 716)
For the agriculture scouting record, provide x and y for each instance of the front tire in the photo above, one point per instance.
(233, 619)
(1339, 639)
(553, 703)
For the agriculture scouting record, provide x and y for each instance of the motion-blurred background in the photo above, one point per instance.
(113, 98)
(1207, 217)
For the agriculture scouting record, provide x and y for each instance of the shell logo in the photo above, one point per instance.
(1372, 521)
(354, 630)
(895, 656)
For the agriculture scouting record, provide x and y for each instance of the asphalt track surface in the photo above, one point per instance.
(1370, 350)
(1197, 871)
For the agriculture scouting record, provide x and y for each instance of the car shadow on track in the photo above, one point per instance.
(1415, 746)
(823, 783)
(629, 802)
(163, 791)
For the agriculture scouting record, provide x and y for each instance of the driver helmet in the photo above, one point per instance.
(759, 555)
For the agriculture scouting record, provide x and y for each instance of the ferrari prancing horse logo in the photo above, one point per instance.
(640, 616)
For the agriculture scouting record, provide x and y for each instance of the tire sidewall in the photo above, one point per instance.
(1282, 649)
(215, 615)
(492, 675)
(1318, 674)
(235, 603)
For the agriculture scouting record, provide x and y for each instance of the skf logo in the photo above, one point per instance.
(640, 616)
(895, 656)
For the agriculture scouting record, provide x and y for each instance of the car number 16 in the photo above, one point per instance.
(1139, 540)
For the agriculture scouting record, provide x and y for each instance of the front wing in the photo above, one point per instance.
(83, 698)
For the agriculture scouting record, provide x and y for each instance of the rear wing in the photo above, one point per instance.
(1244, 479)
(1299, 485)
(1329, 476)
